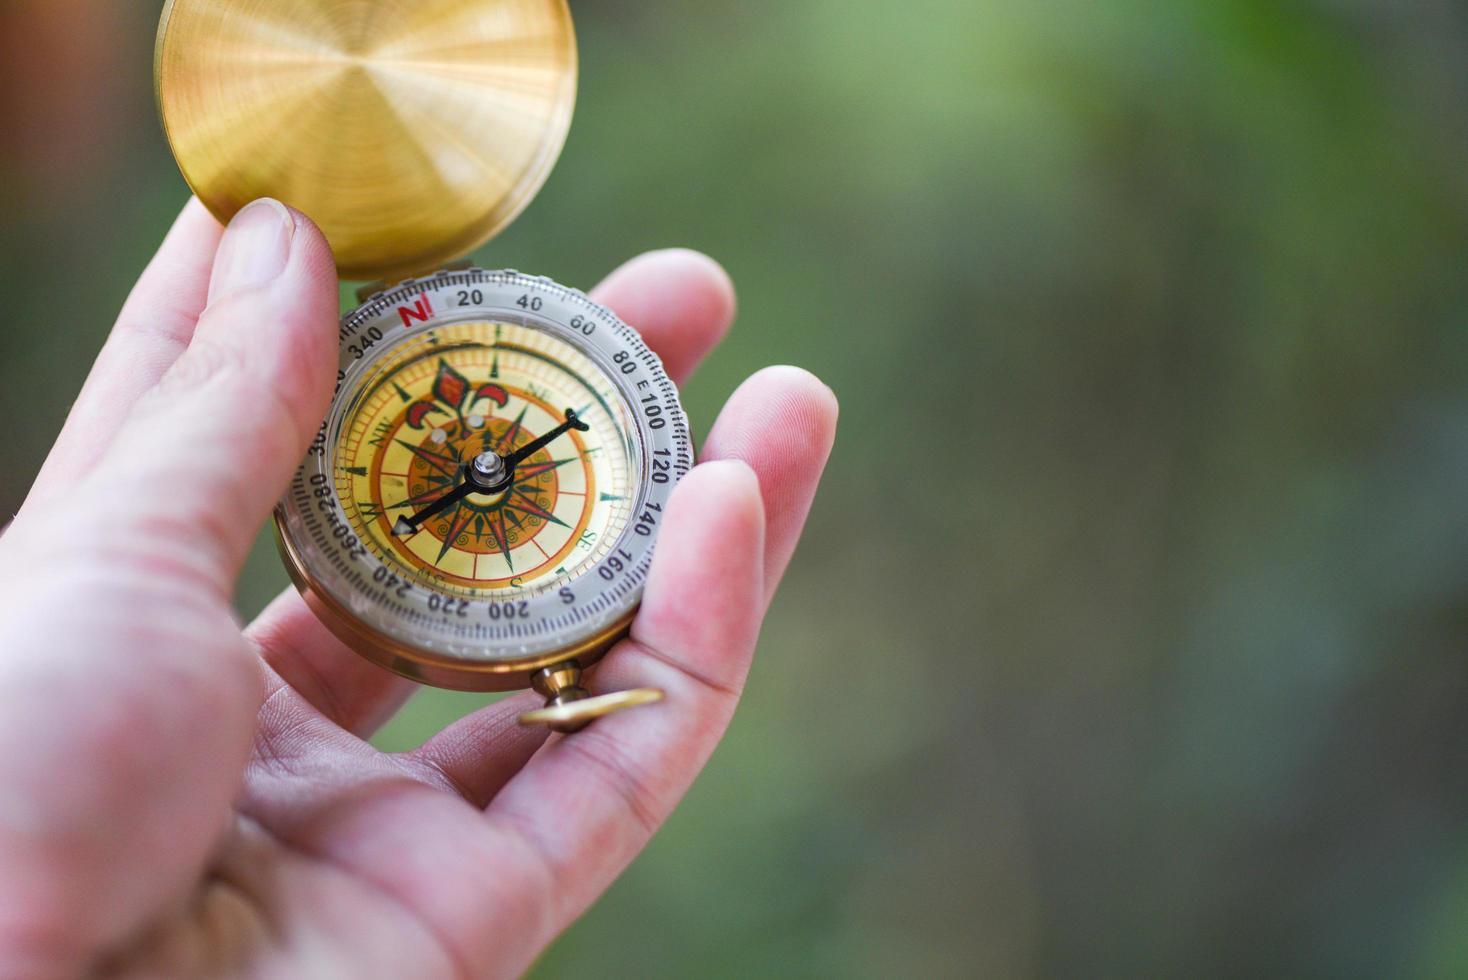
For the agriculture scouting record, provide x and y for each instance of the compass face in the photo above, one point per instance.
(487, 489)
(429, 408)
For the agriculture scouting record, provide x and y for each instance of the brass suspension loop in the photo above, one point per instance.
(569, 707)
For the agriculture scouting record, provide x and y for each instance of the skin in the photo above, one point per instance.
(186, 798)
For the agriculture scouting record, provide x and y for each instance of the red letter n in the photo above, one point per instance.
(421, 310)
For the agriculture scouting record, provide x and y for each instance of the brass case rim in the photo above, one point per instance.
(429, 668)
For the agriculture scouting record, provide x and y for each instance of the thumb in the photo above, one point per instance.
(204, 456)
(128, 697)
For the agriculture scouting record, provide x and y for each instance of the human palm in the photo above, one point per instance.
(183, 798)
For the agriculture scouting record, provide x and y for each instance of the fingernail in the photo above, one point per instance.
(255, 248)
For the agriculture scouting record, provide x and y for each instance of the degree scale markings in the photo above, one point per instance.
(573, 616)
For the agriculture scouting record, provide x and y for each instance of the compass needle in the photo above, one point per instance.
(417, 500)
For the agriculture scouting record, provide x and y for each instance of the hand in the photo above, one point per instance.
(184, 799)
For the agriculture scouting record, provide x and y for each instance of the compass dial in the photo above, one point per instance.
(430, 408)
(486, 490)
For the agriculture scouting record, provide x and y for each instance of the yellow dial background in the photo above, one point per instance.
(463, 388)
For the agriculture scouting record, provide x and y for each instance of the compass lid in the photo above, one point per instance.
(411, 131)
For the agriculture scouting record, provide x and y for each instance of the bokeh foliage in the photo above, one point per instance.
(1128, 633)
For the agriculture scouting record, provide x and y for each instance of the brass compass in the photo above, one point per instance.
(479, 508)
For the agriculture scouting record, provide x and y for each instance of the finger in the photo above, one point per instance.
(704, 598)
(348, 689)
(680, 301)
(781, 422)
(206, 453)
(588, 802)
(155, 326)
(709, 560)
(482, 751)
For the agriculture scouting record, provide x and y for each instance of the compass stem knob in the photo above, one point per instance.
(560, 684)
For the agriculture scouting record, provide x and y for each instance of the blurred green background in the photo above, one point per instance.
(1127, 637)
